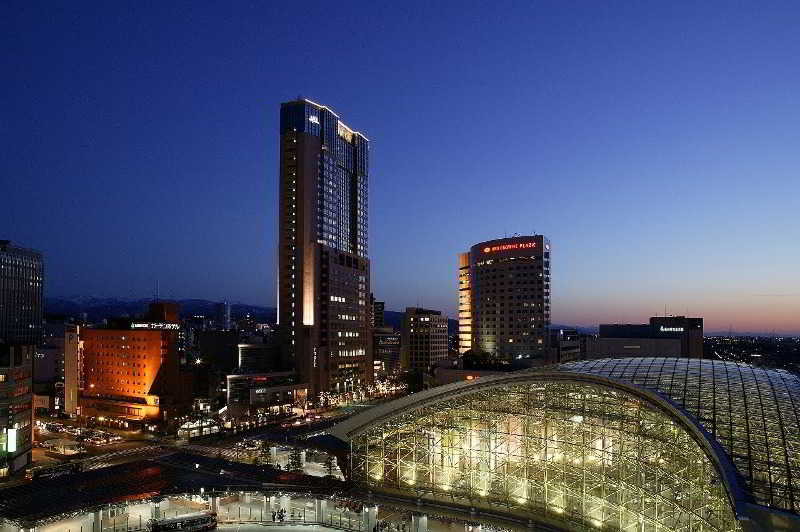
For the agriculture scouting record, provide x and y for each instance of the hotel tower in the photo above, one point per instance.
(504, 298)
(323, 266)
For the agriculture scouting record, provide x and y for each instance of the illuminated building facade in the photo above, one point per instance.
(424, 339)
(21, 281)
(464, 304)
(635, 444)
(504, 298)
(323, 273)
(73, 364)
(132, 371)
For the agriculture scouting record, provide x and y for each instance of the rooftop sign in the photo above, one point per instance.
(508, 247)
(156, 326)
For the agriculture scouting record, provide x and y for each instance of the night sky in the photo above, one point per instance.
(656, 145)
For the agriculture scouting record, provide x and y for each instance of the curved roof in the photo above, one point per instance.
(746, 416)
(752, 412)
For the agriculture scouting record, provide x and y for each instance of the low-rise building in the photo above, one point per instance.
(265, 393)
(671, 336)
(565, 345)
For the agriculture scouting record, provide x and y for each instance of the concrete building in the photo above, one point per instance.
(671, 336)
(324, 269)
(132, 371)
(59, 348)
(565, 345)
(73, 366)
(21, 282)
(504, 298)
(264, 393)
(378, 309)
(386, 350)
(424, 339)
(256, 358)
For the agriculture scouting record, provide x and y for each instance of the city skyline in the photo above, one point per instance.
(667, 164)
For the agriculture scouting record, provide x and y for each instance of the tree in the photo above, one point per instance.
(329, 465)
(264, 454)
(295, 461)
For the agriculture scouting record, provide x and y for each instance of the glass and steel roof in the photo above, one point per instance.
(752, 412)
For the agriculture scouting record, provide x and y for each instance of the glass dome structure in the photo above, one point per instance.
(622, 444)
(752, 412)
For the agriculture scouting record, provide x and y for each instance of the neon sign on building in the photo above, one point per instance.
(156, 326)
(507, 247)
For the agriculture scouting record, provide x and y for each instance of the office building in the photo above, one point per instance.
(565, 345)
(58, 351)
(386, 350)
(323, 273)
(223, 316)
(504, 298)
(219, 349)
(264, 393)
(132, 372)
(424, 339)
(378, 309)
(21, 282)
(256, 358)
(670, 336)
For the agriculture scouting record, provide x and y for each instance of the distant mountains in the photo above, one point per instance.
(100, 308)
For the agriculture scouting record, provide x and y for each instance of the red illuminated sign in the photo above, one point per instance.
(507, 247)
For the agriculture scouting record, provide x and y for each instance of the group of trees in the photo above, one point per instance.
(295, 463)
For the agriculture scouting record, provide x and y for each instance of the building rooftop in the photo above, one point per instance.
(144, 479)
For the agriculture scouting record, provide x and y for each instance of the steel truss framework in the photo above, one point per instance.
(581, 454)
(752, 412)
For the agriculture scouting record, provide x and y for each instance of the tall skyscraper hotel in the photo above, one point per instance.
(504, 298)
(323, 277)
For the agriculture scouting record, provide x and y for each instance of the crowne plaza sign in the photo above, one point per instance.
(509, 247)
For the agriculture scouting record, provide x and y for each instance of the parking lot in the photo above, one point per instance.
(87, 436)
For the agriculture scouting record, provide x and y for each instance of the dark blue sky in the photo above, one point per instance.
(657, 145)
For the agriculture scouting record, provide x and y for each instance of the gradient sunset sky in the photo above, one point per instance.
(657, 145)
